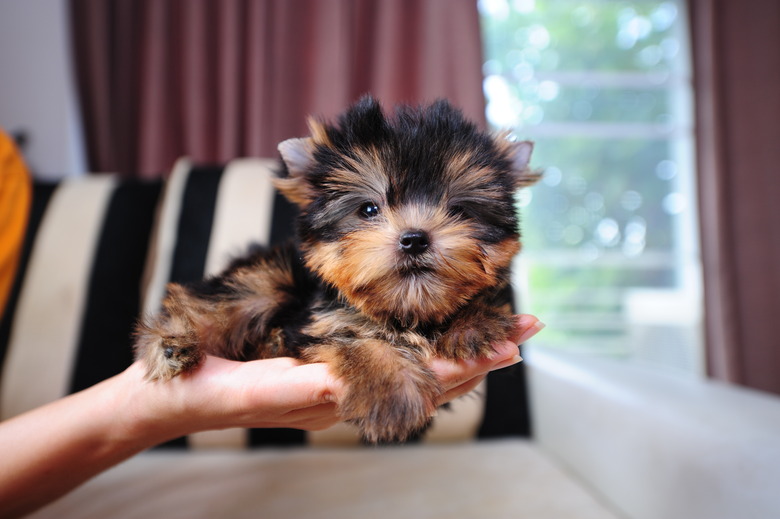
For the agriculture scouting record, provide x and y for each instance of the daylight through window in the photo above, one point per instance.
(611, 258)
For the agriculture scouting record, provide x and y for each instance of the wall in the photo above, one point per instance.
(37, 90)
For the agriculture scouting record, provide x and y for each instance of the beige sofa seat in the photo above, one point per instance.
(488, 479)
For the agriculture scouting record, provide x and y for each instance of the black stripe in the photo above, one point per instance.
(113, 296)
(199, 202)
(41, 195)
(276, 437)
(506, 405)
(193, 234)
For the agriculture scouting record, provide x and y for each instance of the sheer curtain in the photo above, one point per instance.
(737, 80)
(218, 79)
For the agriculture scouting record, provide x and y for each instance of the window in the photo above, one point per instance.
(610, 259)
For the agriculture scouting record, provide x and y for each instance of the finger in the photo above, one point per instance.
(461, 390)
(317, 416)
(306, 418)
(452, 373)
(502, 352)
(304, 424)
(526, 326)
(327, 416)
(320, 425)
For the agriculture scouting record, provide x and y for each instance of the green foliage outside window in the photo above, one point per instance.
(603, 89)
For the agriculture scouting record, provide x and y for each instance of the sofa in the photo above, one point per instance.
(557, 436)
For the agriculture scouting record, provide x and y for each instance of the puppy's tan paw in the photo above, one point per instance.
(167, 357)
(179, 356)
(394, 412)
(393, 421)
(472, 335)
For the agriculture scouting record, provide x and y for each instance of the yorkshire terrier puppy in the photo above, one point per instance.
(406, 232)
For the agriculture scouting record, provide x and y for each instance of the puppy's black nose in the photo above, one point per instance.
(414, 242)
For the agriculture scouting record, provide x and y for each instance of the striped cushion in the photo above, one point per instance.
(69, 319)
(99, 251)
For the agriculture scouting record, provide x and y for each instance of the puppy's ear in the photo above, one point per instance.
(298, 157)
(519, 153)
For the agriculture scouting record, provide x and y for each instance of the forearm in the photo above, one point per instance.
(51, 450)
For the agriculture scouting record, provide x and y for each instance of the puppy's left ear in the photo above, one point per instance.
(519, 153)
(298, 157)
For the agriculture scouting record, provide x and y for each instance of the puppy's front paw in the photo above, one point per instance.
(473, 333)
(167, 356)
(392, 412)
(390, 420)
(179, 355)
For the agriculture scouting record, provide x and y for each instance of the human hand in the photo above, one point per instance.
(282, 392)
(279, 392)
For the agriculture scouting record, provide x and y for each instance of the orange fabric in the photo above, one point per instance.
(15, 198)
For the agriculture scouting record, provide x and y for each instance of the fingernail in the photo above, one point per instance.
(509, 362)
(537, 327)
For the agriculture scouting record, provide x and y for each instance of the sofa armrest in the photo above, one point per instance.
(657, 445)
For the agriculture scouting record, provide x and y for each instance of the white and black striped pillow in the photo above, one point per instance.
(68, 321)
(100, 252)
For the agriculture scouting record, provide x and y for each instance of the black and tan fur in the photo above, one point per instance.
(406, 232)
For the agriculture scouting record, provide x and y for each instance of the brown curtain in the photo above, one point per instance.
(218, 79)
(736, 51)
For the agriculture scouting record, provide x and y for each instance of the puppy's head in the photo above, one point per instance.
(408, 216)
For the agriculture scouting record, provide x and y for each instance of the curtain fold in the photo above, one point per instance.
(219, 79)
(736, 51)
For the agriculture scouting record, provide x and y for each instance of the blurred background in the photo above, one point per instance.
(611, 249)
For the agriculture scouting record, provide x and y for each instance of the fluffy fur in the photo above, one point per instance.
(406, 232)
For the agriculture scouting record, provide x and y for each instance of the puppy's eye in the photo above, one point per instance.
(369, 210)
